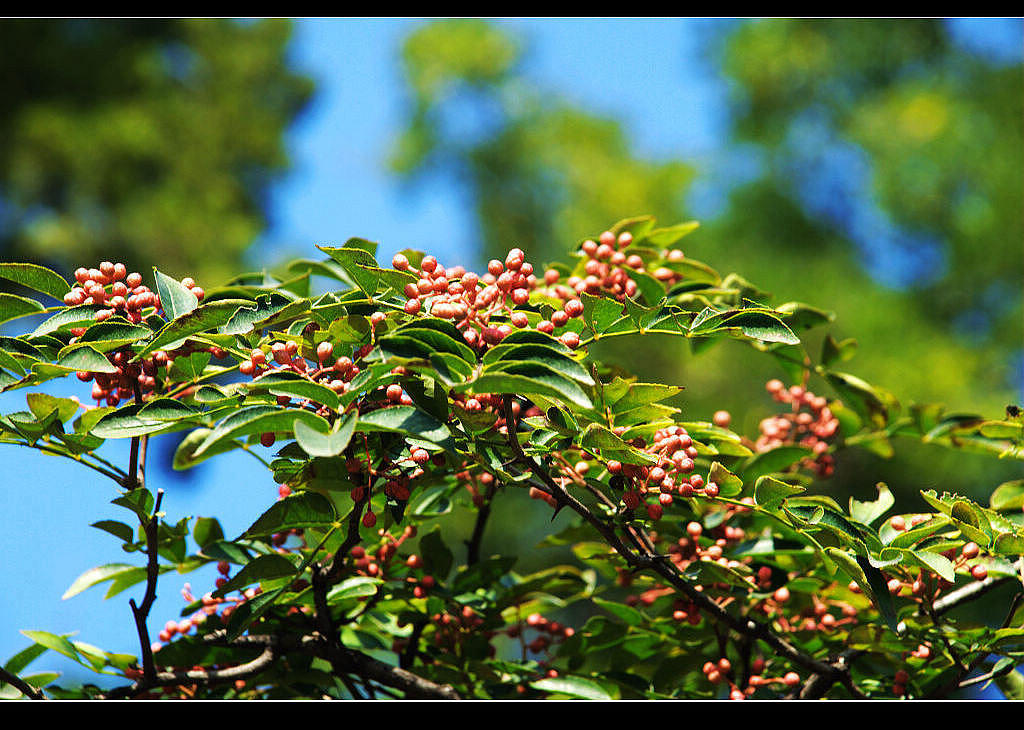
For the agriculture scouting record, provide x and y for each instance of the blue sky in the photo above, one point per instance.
(647, 73)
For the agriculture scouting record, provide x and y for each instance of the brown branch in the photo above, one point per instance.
(141, 613)
(21, 685)
(411, 685)
(969, 592)
(473, 544)
(667, 570)
(963, 671)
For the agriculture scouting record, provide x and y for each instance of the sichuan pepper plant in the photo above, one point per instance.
(706, 563)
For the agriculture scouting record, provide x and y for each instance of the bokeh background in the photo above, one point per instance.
(873, 167)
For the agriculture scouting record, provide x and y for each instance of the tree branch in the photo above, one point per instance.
(21, 685)
(141, 613)
(667, 570)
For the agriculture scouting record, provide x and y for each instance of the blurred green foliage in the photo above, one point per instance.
(142, 140)
(541, 171)
(941, 132)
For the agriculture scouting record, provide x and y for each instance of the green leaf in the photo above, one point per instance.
(315, 443)
(112, 334)
(13, 306)
(761, 326)
(770, 493)
(833, 351)
(35, 277)
(207, 531)
(437, 338)
(627, 614)
(59, 644)
(634, 395)
(66, 319)
(204, 318)
(804, 316)
(868, 512)
(667, 236)
(176, 299)
(728, 483)
(294, 384)
(573, 687)
(599, 313)
(258, 419)
(526, 378)
(86, 359)
(405, 419)
(265, 567)
(118, 529)
(878, 590)
(17, 663)
(1008, 496)
(550, 358)
(185, 455)
(772, 461)
(870, 402)
(129, 422)
(265, 312)
(1011, 685)
(43, 404)
(307, 509)
(437, 557)
(359, 586)
(599, 439)
(97, 575)
(534, 337)
(932, 561)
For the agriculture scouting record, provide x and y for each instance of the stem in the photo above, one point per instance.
(141, 613)
(473, 544)
(21, 685)
(667, 570)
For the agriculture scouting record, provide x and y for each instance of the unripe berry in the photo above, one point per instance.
(573, 308)
(570, 340)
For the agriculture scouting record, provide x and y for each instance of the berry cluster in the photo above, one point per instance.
(148, 375)
(471, 300)
(810, 423)
(608, 267)
(721, 672)
(112, 287)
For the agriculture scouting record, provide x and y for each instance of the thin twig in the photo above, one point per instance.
(21, 685)
(141, 613)
(666, 569)
(473, 544)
